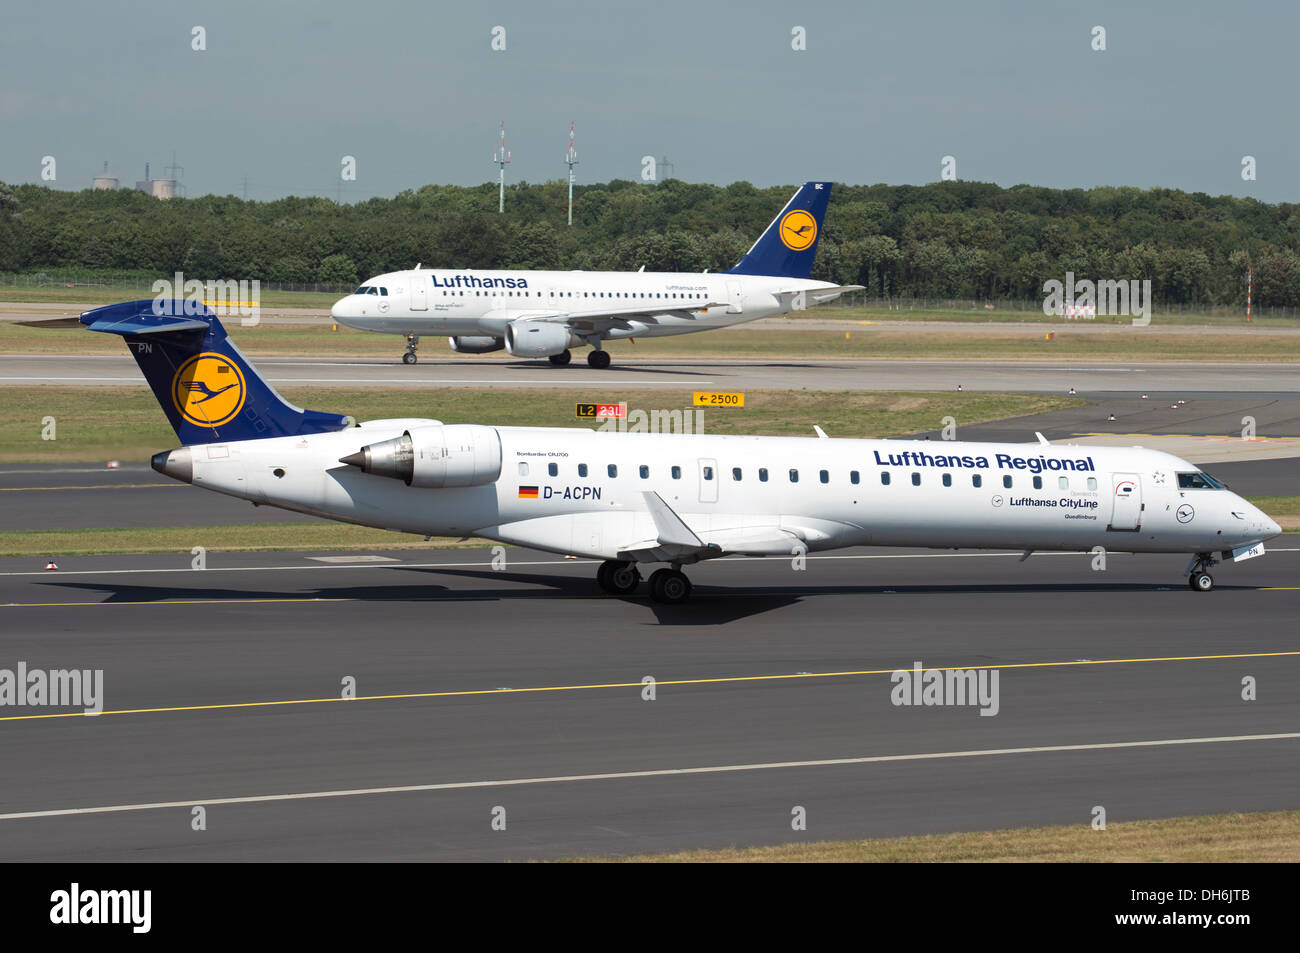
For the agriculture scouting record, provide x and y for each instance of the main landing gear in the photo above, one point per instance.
(668, 586)
(562, 359)
(618, 578)
(1200, 578)
(411, 342)
(598, 360)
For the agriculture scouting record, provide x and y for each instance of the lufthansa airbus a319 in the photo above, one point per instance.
(632, 500)
(546, 313)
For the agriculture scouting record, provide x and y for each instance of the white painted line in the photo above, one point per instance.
(627, 775)
(354, 559)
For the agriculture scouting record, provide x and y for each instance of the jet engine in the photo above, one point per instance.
(537, 338)
(437, 456)
(476, 344)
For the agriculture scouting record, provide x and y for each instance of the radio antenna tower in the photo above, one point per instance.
(501, 156)
(571, 157)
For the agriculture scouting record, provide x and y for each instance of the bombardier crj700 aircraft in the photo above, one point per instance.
(632, 499)
(545, 313)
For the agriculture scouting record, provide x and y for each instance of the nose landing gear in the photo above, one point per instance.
(1200, 578)
(411, 342)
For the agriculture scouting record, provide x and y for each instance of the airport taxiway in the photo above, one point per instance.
(1185, 379)
(523, 690)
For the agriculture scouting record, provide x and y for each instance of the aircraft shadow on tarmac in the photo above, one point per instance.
(708, 606)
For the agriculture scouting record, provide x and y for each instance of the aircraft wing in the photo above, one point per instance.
(677, 542)
(602, 319)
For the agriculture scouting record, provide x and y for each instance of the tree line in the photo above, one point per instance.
(942, 240)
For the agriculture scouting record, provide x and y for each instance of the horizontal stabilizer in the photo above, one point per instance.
(206, 387)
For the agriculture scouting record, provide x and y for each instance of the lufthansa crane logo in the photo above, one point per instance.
(798, 230)
(208, 390)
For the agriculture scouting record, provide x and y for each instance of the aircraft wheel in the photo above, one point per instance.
(1201, 581)
(409, 357)
(618, 578)
(598, 359)
(669, 587)
(562, 359)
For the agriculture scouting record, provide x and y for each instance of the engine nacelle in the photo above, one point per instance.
(442, 456)
(537, 338)
(476, 344)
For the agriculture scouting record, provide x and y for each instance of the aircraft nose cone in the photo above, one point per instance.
(1271, 528)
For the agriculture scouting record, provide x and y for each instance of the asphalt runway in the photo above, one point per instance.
(1183, 380)
(522, 690)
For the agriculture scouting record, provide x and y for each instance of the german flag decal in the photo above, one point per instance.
(528, 493)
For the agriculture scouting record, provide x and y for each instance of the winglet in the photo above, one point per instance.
(820, 433)
(1041, 439)
(669, 525)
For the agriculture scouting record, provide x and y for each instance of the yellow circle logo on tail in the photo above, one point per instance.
(798, 230)
(208, 390)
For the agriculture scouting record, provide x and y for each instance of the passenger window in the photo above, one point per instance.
(947, 479)
(645, 472)
(523, 468)
(1092, 483)
(708, 473)
(884, 478)
(762, 474)
(916, 479)
(582, 469)
(735, 474)
(1006, 481)
(976, 480)
(825, 476)
(794, 476)
(612, 470)
(1038, 483)
(853, 477)
(1063, 482)
(677, 473)
(553, 469)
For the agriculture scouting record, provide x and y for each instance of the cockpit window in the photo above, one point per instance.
(370, 290)
(1198, 481)
(383, 292)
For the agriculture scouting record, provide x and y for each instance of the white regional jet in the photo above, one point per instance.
(544, 313)
(631, 499)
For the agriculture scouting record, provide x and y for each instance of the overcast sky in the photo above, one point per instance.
(414, 91)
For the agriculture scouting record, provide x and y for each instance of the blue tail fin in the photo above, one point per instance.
(207, 388)
(789, 245)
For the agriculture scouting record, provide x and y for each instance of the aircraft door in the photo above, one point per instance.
(708, 481)
(1126, 506)
(420, 291)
